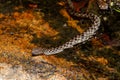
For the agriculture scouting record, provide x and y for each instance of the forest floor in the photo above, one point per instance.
(24, 26)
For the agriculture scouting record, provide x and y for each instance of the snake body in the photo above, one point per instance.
(86, 35)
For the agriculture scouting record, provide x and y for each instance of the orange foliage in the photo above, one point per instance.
(18, 7)
(61, 3)
(70, 21)
(102, 61)
(65, 14)
(14, 45)
(16, 15)
(33, 5)
(1, 15)
(27, 15)
(58, 61)
(79, 5)
(16, 31)
(96, 42)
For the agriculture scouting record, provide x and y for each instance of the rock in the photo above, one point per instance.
(9, 72)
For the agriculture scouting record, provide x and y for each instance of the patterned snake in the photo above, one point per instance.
(86, 35)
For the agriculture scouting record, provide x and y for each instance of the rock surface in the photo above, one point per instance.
(8, 72)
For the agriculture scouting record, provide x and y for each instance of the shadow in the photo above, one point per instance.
(94, 67)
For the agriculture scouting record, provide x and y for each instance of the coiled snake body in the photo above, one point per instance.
(90, 32)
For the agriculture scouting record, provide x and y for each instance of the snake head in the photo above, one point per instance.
(37, 51)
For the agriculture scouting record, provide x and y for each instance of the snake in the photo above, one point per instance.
(80, 38)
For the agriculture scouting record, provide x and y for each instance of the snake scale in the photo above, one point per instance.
(86, 35)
